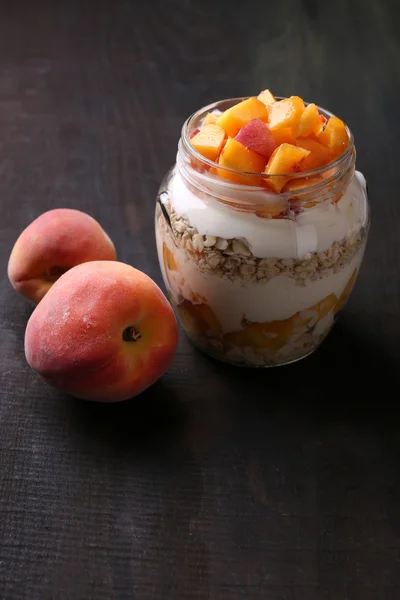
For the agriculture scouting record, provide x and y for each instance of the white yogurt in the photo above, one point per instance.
(313, 231)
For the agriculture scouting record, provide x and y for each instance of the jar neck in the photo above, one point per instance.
(323, 184)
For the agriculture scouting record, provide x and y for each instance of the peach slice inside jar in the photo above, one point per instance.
(199, 319)
(169, 259)
(273, 335)
(344, 296)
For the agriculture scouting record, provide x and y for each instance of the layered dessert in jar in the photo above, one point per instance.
(261, 228)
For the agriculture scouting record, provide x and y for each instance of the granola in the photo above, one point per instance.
(233, 259)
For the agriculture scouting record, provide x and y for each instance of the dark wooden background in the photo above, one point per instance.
(217, 483)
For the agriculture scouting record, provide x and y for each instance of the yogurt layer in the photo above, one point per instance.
(314, 230)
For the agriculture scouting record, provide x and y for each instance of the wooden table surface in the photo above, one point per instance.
(217, 482)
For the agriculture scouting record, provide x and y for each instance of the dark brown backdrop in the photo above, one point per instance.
(217, 483)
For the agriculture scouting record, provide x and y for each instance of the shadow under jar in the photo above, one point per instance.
(258, 278)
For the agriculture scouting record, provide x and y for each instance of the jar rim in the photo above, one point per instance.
(188, 128)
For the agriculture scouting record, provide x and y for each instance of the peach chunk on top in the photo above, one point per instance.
(294, 185)
(285, 159)
(309, 122)
(236, 117)
(238, 157)
(257, 137)
(334, 136)
(318, 157)
(284, 136)
(285, 113)
(209, 141)
(266, 97)
(210, 118)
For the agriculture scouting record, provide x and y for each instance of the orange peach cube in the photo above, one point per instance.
(320, 127)
(309, 121)
(334, 136)
(318, 157)
(273, 209)
(285, 113)
(283, 136)
(234, 118)
(238, 157)
(285, 159)
(299, 183)
(266, 97)
(209, 141)
(210, 119)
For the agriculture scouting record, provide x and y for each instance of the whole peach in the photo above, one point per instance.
(53, 243)
(105, 331)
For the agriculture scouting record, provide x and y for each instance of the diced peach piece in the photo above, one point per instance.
(309, 121)
(285, 113)
(211, 119)
(293, 185)
(209, 141)
(199, 319)
(318, 157)
(344, 296)
(257, 136)
(236, 117)
(334, 136)
(194, 132)
(273, 209)
(322, 122)
(319, 128)
(285, 159)
(238, 157)
(298, 184)
(266, 97)
(284, 136)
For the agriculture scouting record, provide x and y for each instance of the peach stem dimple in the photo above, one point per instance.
(131, 334)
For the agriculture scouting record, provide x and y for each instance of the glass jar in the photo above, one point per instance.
(258, 278)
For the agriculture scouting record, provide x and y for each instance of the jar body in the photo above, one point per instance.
(251, 290)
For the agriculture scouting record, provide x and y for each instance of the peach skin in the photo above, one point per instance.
(104, 332)
(53, 243)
